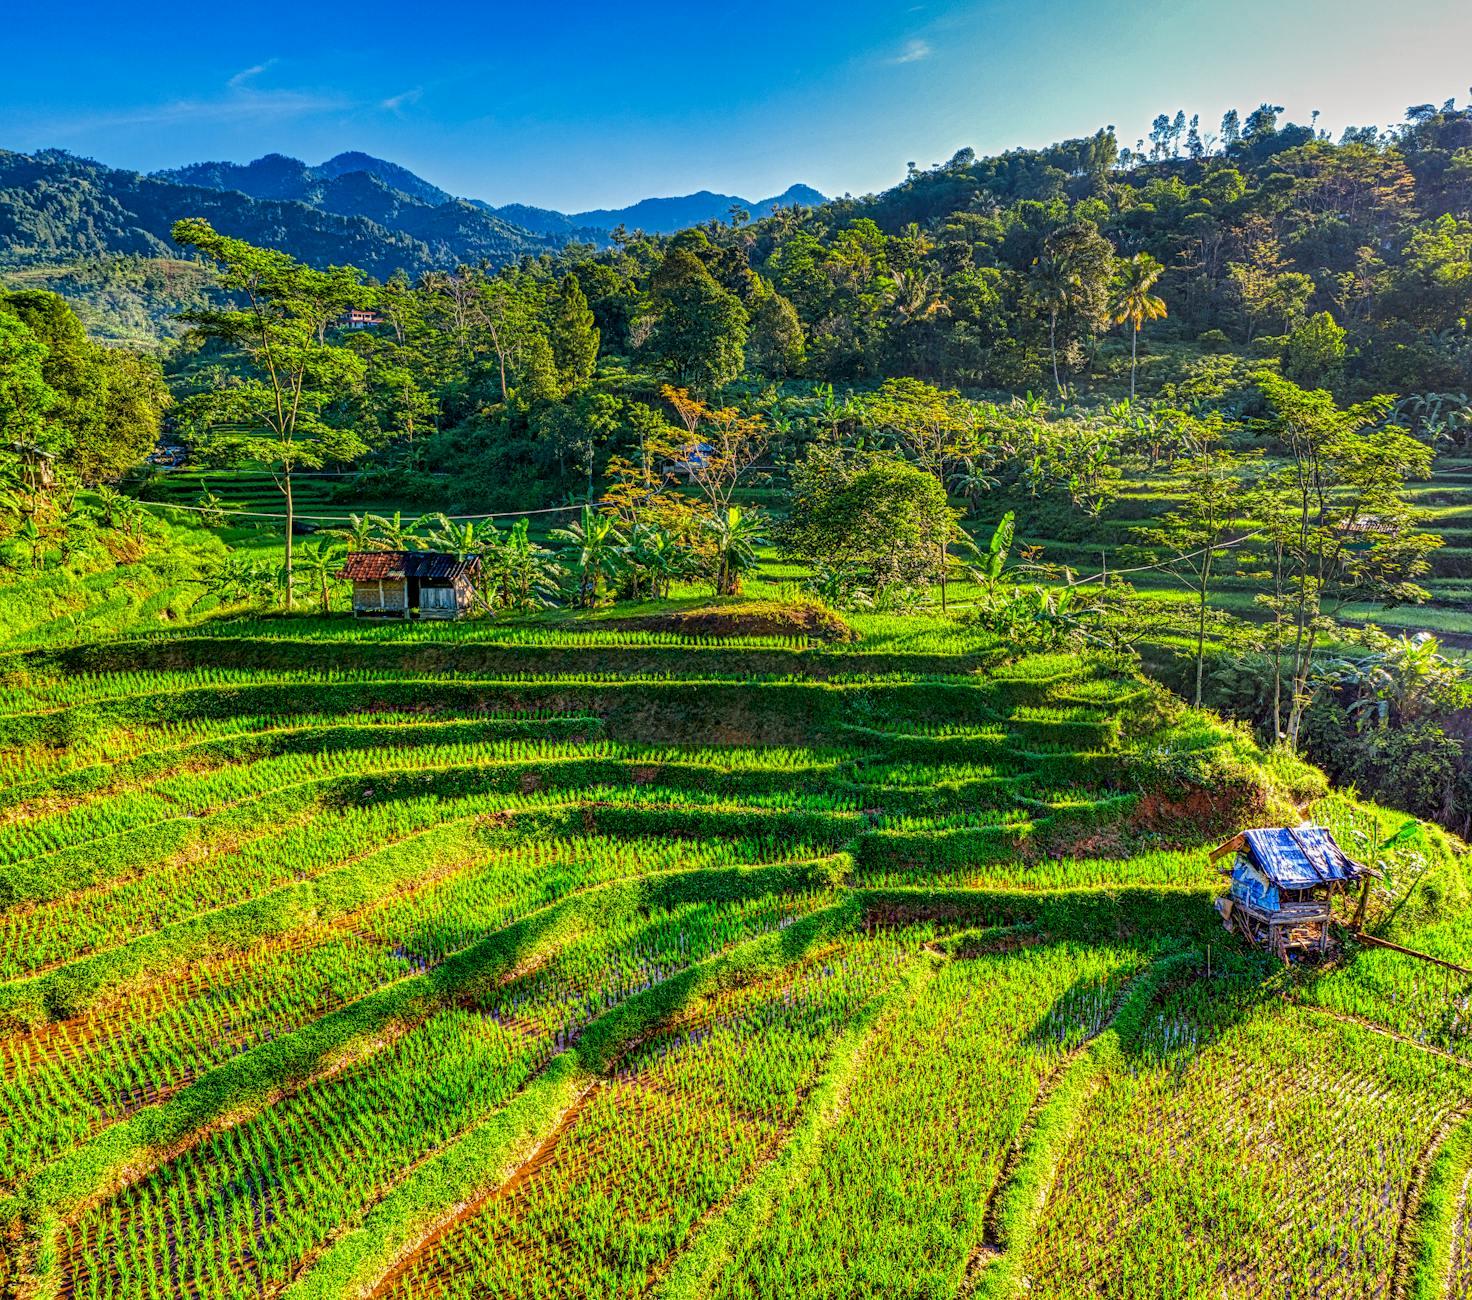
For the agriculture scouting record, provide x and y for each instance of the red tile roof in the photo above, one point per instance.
(369, 566)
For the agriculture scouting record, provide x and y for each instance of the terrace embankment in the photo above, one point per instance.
(307, 943)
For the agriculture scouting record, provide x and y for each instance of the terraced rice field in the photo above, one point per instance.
(528, 962)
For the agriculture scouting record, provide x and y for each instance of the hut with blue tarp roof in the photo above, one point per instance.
(1283, 883)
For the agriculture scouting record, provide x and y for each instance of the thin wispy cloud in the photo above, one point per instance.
(240, 101)
(405, 97)
(914, 51)
(246, 74)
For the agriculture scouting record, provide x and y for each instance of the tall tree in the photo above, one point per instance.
(715, 448)
(1134, 303)
(573, 334)
(1190, 538)
(936, 427)
(26, 399)
(775, 347)
(109, 402)
(1347, 530)
(1069, 283)
(1231, 128)
(286, 411)
(693, 330)
(867, 521)
(1195, 146)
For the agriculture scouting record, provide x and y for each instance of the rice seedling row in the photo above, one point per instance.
(252, 1202)
(1263, 1152)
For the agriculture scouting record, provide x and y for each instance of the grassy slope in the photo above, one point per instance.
(956, 788)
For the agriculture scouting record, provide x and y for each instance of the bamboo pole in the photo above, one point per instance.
(1411, 952)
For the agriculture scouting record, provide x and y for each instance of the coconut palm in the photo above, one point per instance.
(1051, 284)
(1134, 304)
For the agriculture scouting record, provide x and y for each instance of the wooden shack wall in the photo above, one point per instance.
(374, 595)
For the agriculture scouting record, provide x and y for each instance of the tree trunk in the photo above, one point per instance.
(1053, 350)
(1200, 641)
(1302, 669)
(290, 523)
(1134, 350)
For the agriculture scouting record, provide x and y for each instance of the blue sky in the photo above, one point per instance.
(575, 105)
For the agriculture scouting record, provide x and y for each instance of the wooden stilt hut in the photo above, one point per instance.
(1283, 883)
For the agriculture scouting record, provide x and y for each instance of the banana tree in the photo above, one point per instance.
(360, 534)
(519, 573)
(656, 557)
(593, 544)
(988, 573)
(391, 533)
(735, 536)
(318, 564)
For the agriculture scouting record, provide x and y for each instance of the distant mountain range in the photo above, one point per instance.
(56, 208)
(358, 184)
(655, 216)
(59, 209)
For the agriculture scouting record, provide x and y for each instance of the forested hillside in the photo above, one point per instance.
(1043, 383)
(357, 184)
(58, 208)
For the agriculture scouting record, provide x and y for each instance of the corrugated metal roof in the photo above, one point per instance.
(368, 566)
(1300, 857)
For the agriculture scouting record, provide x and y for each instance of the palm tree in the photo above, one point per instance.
(916, 295)
(594, 543)
(1052, 283)
(1134, 303)
(736, 536)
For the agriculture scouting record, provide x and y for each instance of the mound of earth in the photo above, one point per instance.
(748, 618)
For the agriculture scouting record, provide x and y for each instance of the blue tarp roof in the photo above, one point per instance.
(1300, 857)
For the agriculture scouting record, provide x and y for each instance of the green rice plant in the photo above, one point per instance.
(1243, 1098)
(125, 1055)
(471, 1060)
(934, 1106)
(680, 1123)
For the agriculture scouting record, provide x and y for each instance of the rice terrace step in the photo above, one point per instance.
(686, 1000)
